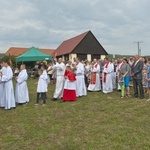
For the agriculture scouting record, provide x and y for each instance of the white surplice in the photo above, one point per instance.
(60, 71)
(21, 92)
(2, 89)
(9, 90)
(70, 85)
(97, 85)
(107, 86)
(42, 83)
(81, 88)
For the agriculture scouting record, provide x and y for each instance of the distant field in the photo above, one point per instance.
(94, 122)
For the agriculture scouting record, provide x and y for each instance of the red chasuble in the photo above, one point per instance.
(93, 76)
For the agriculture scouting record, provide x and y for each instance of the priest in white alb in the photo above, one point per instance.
(21, 92)
(80, 82)
(8, 85)
(60, 68)
(107, 77)
(95, 84)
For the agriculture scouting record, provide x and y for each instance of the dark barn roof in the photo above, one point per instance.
(85, 43)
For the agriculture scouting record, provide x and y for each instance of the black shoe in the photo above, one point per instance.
(19, 104)
(119, 90)
(141, 97)
(136, 96)
(62, 101)
(24, 104)
(53, 99)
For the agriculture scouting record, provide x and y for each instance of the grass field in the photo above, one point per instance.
(94, 122)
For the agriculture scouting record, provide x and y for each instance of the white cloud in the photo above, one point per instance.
(115, 23)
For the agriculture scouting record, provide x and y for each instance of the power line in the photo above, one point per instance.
(139, 49)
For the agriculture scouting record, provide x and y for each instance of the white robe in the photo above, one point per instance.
(2, 89)
(107, 86)
(60, 71)
(9, 90)
(21, 92)
(42, 83)
(81, 88)
(97, 85)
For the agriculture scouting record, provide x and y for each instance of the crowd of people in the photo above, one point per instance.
(75, 79)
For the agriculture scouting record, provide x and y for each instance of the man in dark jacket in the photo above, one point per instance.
(137, 77)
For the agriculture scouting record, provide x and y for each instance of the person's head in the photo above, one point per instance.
(115, 61)
(60, 60)
(120, 60)
(106, 60)
(136, 57)
(68, 68)
(5, 63)
(125, 60)
(86, 62)
(50, 64)
(95, 60)
(144, 60)
(43, 67)
(40, 72)
(131, 59)
(77, 60)
(22, 67)
(69, 62)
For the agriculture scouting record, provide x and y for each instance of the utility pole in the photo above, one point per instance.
(140, 53)
(139, 49)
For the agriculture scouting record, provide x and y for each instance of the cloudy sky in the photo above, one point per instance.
(45, 24)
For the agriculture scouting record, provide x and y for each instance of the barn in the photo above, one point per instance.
(84, 46)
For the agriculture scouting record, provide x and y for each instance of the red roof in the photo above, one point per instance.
(69, 45)
(16, 51)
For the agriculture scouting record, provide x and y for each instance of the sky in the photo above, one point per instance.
(117, 24)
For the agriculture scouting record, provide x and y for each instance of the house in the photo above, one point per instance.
(84, 46)
(17, 51)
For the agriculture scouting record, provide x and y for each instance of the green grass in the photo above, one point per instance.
(95, 122)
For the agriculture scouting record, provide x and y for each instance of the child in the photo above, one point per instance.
(41, 86)
(148, 78)
(121, 83)
(69, 93)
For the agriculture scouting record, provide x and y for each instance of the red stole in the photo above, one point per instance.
(93, 76)
(105, 74)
